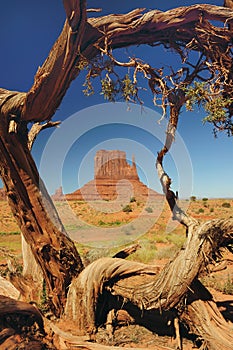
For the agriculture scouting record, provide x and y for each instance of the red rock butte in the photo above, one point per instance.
(114, 178)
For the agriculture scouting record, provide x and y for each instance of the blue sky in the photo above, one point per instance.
(200, 164)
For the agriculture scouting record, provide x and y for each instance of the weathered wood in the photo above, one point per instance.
(37, 128)
(8, 289)
(204, 318)
(54, 77)
(165, 290)
(6, 333)
(16, 342)
(37, 218)
(31, 269)
(33, 209)
(203, 243)
(30, 290)
(84, 292)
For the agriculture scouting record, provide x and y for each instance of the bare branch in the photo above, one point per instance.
(176, 100)
(36, 129)
(124, 253)
(178, 213)
(94, 10)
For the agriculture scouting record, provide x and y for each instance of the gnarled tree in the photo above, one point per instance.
(175, 291)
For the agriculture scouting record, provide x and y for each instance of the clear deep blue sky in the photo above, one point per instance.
(28, 31)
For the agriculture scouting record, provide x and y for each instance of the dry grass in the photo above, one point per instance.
(7, 221)
(80, 216)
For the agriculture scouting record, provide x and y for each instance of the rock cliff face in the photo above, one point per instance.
(114, 178)
(113, 165)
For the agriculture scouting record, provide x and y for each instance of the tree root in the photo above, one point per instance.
(112, 284)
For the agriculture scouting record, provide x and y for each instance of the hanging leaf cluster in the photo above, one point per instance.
(113, 86)
(216, 105)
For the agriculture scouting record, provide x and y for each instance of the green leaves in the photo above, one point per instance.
(217, 109)
(194, 95)
(129, 90)
(210, 97)
(109, 88)
(112, 85)
(118, 88)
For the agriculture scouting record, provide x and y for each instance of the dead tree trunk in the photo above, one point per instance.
(37, 217)
(30, 203)
(84, 292)
(31, 269)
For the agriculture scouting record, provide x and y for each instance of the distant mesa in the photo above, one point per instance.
(114, 178)
(58, 195)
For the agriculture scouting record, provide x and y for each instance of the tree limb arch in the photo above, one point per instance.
(156, 26)
(61, 67)
(135, 21)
